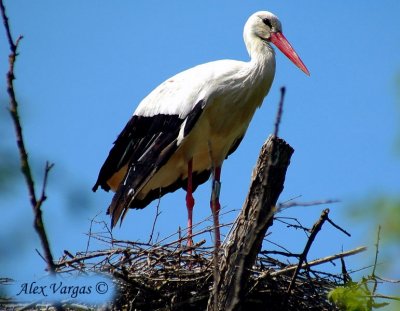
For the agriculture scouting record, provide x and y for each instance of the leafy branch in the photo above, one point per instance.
(362, 295)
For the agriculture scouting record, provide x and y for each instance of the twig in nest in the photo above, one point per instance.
(296, 225)
(66, 263)
(316, 228)
(316, 262)
(152, 277)
(155, 220)
(314, 231)
(345, 274)
(337, 227)
(90, 233)
(25, 166)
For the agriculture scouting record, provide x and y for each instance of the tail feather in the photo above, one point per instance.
(137, 177)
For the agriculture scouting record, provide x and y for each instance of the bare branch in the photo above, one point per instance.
(279, 113)
(43, 196)
(13, 46)
(286, 205)
(338, 227)
(25, 166)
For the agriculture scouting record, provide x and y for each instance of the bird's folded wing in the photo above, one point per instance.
(145, 145)
(139, 173)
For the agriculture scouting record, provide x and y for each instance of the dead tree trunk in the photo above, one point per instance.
(245, 241)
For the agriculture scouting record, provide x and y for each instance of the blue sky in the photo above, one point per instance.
(85, 65)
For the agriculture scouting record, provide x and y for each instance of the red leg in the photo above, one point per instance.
(214, 203)
(190, 202)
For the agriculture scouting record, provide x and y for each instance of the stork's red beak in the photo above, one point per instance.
(283, 44)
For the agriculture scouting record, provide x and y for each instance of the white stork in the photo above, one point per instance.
(187, 126)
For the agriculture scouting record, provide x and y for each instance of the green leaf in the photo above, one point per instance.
(349, 298)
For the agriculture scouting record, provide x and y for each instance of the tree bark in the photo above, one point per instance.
(245, 240)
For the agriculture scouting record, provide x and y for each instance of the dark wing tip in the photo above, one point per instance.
(114, 219)
(119, 204)
(116, 216)
(103, 186)
(95, 187)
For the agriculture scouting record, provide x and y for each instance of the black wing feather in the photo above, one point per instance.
(137, 136)
(145, 144)
(139, 173)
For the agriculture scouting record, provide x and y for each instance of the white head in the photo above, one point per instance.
(263, 28)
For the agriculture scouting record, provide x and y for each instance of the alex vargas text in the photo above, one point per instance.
(73, 291)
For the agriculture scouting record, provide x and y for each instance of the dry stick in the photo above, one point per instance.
(89, 256)
(208, 229)
(345, 274)
(315, 262)
(287, 205)
(155, 221)
(241, 249)
(314, 231)
(25, 166)
(116, 251)
(337, 227)
(177, 241)
(89, 233)
(280, 112)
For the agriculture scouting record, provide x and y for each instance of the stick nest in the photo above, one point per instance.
(173, 277)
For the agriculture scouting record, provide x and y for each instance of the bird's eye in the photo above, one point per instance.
(267, 22)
